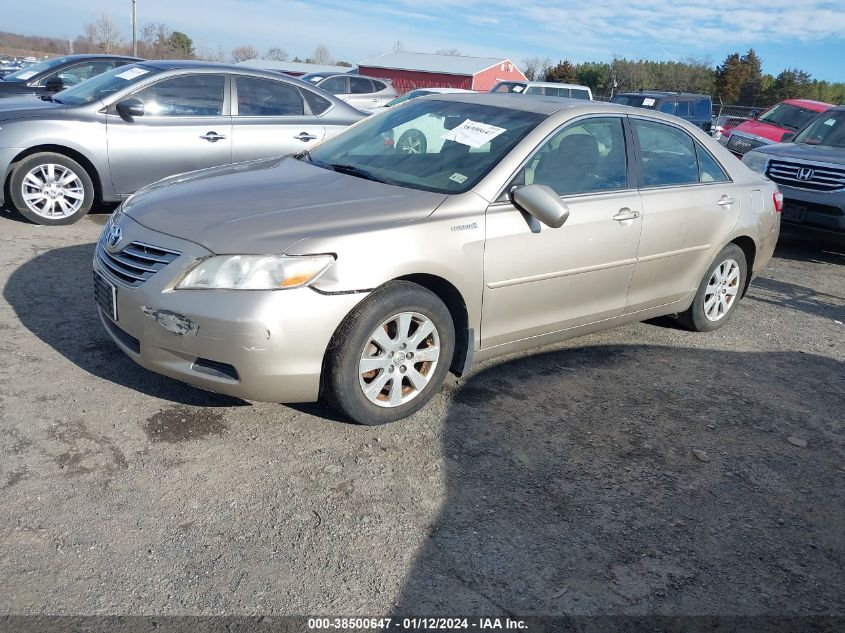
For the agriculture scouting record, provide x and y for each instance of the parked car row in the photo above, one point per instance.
(134, 124)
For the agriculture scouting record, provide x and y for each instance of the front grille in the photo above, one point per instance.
(806, 176)
(741, 145)
(135, 263)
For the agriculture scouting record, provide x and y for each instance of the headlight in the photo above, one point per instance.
(756, 161)
(255, 272)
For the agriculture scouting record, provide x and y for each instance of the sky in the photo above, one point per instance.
(805, 34)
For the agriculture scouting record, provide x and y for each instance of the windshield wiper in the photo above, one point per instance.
(353, 170)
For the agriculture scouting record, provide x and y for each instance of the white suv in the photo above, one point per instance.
(548, 88)
(359, 92)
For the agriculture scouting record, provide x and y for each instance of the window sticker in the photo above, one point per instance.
(132, 73)
(27, 74)
(518, 88)
(648, 101)
(473, 133)
(458, 178)
(830, 122)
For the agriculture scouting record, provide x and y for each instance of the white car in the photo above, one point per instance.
(422, 135)
(547, 88)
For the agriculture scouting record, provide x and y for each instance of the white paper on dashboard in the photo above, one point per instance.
(132, 73)
(473, 133)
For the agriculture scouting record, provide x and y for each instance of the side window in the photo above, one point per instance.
(683, 109)
(378, 86)
(580, 94)
(703, 109)
(335, 85)
(709, 170)
(668, 106)
(71, 75)
(263, 97)
(668, 154)
(317, 103)
(534, 90)
(583, 157)
(360, 86)
(190, 95)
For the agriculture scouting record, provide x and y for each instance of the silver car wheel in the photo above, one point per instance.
(52, 191)
(399, 359)
(722, 290)
(411, 143)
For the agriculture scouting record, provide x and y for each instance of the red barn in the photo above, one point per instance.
(424, 70)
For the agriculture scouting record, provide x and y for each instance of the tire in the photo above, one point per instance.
(69, 189)
(724, 280)
(412, 142)
(395, 306)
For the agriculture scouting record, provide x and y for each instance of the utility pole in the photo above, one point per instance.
(134, 32)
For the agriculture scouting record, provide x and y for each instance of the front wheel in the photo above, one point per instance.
(719, 291)
(390, 355)
(50, 188)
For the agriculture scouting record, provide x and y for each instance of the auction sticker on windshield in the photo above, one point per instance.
(473, 133)
(132, 73)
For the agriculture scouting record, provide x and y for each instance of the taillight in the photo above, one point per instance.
(777, 198)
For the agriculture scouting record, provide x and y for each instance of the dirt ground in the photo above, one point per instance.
(642, 470)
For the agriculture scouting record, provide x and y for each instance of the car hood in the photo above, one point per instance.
(765, 130)
(28, 106)
(802, 151)
(268, 205)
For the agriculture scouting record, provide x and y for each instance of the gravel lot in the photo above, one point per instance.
(558, 482)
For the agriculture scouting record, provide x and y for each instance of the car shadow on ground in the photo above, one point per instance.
(809, 245)
(572, 487)
(51, 294)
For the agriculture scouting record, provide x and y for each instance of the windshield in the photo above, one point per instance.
(827, 130)
(30, 71)
(788, 116)
(509, 86)
(636, 101)
(408, 96)
(99, 87)
(441, 146)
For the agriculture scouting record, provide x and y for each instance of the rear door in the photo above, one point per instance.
(185, 126)
(689, 206)
(361, 93)
(270, 118)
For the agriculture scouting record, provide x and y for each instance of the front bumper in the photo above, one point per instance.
(256, 345)
(817, 209)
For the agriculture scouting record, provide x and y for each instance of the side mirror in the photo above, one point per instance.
(541, 202)
(129, 108)
(54, 84)
(787, 136)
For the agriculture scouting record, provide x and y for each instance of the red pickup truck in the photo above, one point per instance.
(786, 117)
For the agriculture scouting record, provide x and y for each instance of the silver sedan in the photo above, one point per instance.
(364, 274)
(111, 135)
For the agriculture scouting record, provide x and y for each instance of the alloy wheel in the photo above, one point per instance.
(722, 290)
(52, 191)
(399, 359)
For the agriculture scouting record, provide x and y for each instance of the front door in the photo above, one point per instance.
(689, 204)
(539, 280)
(270, 120)
(185, 126)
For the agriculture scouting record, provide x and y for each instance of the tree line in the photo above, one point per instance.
(738, 80)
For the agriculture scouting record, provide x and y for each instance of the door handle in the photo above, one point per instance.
(212, 137)
(725, 201)
(305, 137)
(626, 214)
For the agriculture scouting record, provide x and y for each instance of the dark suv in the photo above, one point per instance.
(692, 107)
(810, 171)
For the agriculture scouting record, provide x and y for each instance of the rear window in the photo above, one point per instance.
(579, 94)
(637, 101)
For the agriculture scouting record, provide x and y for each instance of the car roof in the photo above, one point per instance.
(662, 93)
(540, 104)
(820, 106)
(442, 90)
(80, 56)
(550, 84)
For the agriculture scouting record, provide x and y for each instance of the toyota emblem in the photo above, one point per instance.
(115, 235)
